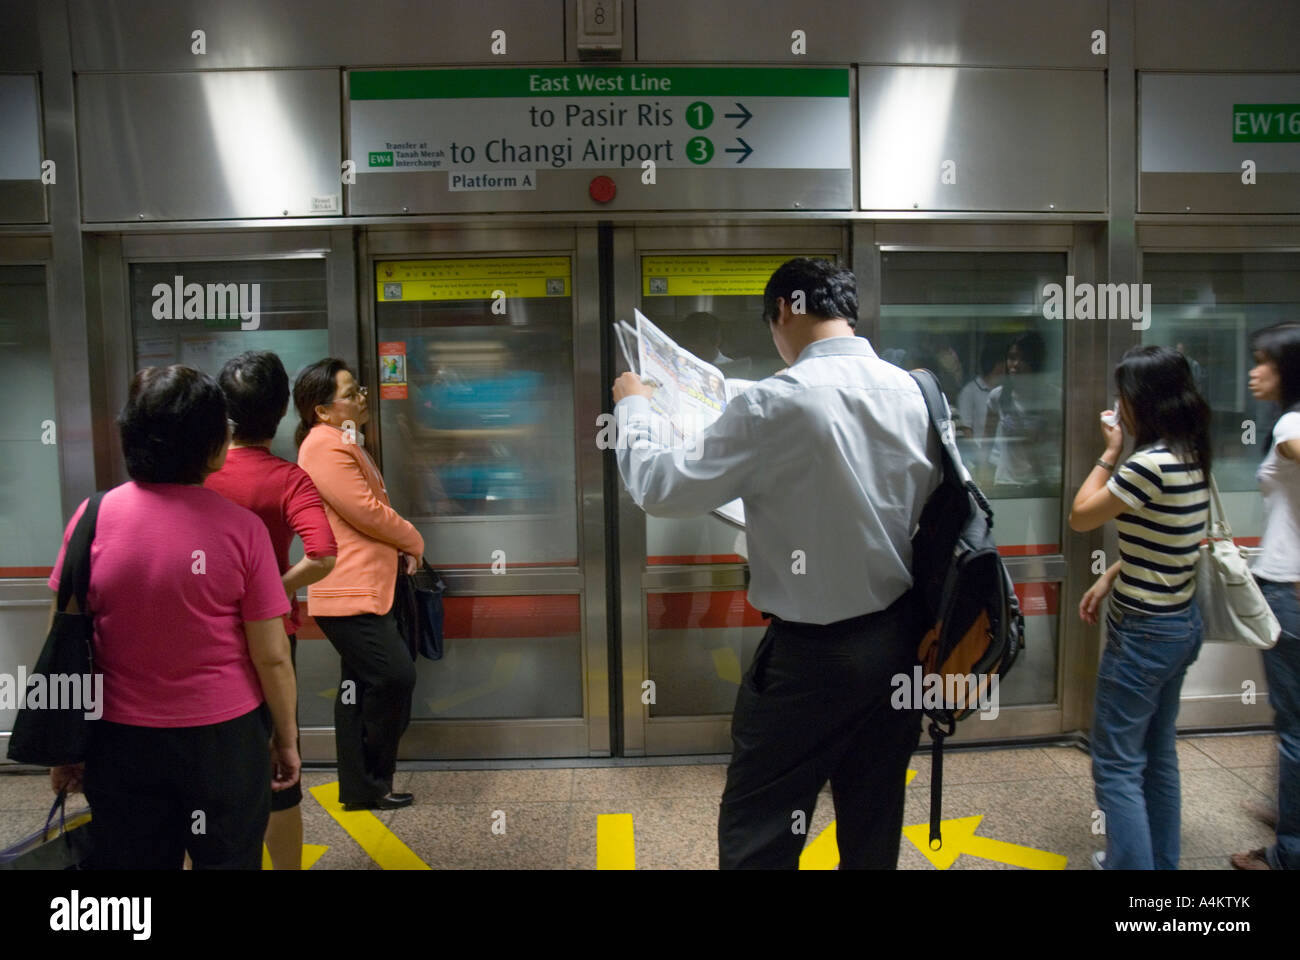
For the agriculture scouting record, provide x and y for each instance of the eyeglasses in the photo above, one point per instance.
(361, 392)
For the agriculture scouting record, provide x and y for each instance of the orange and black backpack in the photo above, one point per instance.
(972, 621)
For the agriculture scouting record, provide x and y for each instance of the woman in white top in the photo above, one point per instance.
(1275, 378)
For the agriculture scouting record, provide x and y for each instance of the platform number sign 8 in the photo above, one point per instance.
(599, 15)
(699, 149)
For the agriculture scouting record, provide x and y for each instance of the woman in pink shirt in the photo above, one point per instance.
(189, 635)
(284, 498)
(353, 606)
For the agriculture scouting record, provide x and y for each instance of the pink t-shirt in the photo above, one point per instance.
(175, 571)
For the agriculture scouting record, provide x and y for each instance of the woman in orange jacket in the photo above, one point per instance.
(353, 605)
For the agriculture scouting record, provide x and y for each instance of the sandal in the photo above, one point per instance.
(1254, 860)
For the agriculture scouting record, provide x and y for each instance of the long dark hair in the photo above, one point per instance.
(1280, 345)
(315, 386)
(1156, 384)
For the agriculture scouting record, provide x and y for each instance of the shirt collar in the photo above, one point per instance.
(837, 346)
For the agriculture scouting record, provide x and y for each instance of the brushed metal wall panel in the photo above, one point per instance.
(999, 33)
(1021, 140)
(22, 201)
(1218, 193)
(155, 34)
(209, 145)
(20, 46)
(1213, 35)
(426, 192)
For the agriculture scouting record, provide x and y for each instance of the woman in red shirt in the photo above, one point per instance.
(285, 499)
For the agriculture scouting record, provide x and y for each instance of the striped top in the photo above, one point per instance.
(1160, 536)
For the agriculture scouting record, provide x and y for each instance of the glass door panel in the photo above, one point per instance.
(476, 396)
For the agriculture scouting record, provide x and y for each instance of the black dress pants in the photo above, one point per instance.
(157, 792)
(373, 706)
(815, 706)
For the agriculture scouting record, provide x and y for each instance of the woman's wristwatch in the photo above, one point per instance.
(1105, 466)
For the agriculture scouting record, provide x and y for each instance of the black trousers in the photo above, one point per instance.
(814, 706)
(373, 706)
(157, 792)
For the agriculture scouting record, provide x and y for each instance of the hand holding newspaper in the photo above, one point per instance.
(690, 394)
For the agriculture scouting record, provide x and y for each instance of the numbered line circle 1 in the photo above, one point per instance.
(699, 115)
(699, 149)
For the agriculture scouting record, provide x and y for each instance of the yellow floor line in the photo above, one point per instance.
(615, 842)
(380, 843)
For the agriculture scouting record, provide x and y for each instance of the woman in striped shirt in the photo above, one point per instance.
(1159, 500)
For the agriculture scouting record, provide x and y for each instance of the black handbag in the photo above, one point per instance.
(69, 850)
(417, 605)
(58, 733)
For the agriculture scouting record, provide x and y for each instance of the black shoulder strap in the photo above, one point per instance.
(941, 424)
(75, 576)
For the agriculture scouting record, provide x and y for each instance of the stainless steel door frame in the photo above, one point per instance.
(1223, 235)
(642, 734)
(588, 735)
(1084, 345)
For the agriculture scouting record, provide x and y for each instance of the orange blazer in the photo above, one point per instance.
(369, 531)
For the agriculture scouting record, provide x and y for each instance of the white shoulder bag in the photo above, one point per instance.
(1232, 606)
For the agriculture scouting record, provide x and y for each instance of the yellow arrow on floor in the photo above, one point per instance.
(328, 694)
(311, 852)
(822, 852)
(959, 837)
(380, 843)
(615, 843)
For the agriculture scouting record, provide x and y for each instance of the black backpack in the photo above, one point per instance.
(973, 626)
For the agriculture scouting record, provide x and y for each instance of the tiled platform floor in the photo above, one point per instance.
(1038, 797)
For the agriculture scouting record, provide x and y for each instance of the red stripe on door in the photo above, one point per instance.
(696, 558)
(1038, 599)
(711, 609)
(1028, 549)
(24, 572)
(528, 616)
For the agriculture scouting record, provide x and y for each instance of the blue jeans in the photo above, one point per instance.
(1282, 670)
(1134, 764)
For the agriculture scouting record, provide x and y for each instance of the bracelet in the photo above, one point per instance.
(1105, 466)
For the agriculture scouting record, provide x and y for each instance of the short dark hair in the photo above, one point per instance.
(257, 394)
(991, 355)
(173, 423)
(829, 291)
(316, 385)
(1280, 343)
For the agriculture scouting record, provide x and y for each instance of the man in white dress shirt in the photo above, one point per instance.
(834, 459)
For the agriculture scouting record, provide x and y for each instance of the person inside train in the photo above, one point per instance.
(834, 459)
(353, 606)
(1159, 499)
(188, 607)
(973, 398)
(1024, 419)
(286, 501)
(1275, 379)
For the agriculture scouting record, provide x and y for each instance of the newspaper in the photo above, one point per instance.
(690, 393)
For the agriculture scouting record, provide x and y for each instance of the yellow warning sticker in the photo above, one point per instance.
(734, 275)
(482, 278)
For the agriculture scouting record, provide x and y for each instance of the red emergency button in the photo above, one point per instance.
(602, 189)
